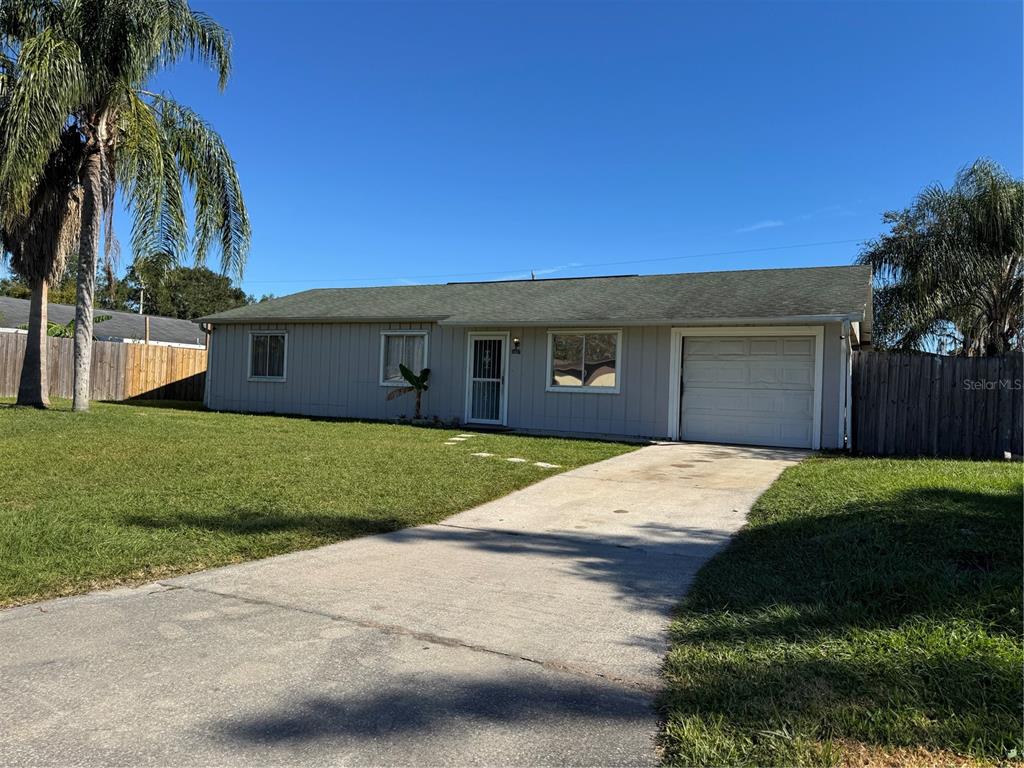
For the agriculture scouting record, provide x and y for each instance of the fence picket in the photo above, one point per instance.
(119, 371)
(930, 405)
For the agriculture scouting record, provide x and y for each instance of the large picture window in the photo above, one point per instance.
(267, 355)
(584, 361)
(408, 348)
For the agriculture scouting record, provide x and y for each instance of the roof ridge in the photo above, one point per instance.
(104, 311)
(582, 277)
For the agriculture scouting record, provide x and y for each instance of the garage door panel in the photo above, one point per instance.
(797, 404)
(723, 400)
(749, 431)
(799, 346)
(798, 375)
(791, 433)
(716, 372)
(764, 346)
(765, 373)
(698, 348)
(733, 347)
(757, 390)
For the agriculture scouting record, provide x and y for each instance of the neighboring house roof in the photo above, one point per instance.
(696, 297)
(120, 326)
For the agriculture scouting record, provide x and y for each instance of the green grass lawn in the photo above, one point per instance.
(127, 493)
(869, 614)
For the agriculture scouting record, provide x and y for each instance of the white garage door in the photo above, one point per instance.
(753, 390)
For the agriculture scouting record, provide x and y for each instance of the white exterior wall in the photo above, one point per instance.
(333, 370)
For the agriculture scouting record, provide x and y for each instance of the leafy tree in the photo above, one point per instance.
(183, 292)
(949, 272)
(90, 61)
(417, 384)
(15, 287)
(61, 291)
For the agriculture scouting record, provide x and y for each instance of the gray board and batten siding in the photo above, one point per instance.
(334, 341)
(343, 379)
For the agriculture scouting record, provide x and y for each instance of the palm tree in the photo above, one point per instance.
(950, 270)
(39, 244)
(38, 237)
(96, 58)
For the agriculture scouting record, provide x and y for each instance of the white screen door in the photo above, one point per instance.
(486, 391)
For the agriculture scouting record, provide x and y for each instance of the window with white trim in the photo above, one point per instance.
(408, 348)
(267, 350)
(584, 361)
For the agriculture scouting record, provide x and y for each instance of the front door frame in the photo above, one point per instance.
(675, 404)
(470, 338)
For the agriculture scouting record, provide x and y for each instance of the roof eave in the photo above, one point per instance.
(831, 317)
(214, 320)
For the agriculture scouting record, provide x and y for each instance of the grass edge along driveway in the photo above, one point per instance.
(131, 493)
(869, 614)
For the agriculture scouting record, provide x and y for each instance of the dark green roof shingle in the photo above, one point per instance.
(677, 298)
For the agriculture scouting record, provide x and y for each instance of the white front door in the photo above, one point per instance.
(753, 390)
(486, 396)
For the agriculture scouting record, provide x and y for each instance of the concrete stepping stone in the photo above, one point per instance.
(517, 460)
(545, 465)
(482, 453)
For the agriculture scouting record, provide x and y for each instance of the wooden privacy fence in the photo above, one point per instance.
(119, 371)
(915, 404)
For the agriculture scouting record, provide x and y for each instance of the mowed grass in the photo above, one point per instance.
(127, 493)
(869, 614)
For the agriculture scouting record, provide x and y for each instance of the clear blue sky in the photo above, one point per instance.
(388, 142)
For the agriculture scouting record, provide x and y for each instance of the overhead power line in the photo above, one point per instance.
(529, 270)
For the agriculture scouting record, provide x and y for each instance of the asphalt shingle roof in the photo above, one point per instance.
(121, 325)
(693, 297)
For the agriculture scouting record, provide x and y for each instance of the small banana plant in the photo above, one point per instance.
(65, 330)
(417, 384)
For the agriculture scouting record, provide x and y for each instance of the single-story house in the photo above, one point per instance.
(757, 357)
(126, 327)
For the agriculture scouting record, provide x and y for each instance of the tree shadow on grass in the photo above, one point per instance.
(892, 622)
(247, 521)
(869, 564)
(149, 402)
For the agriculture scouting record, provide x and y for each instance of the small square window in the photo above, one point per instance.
(267, 355)
(583, 361)
(400, 348)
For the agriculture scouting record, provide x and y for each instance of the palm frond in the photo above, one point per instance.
(221, 219)
(195, 34)
(954, 258)
(151, 180)
(47, 86)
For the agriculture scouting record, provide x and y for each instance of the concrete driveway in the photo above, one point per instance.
(529, 630)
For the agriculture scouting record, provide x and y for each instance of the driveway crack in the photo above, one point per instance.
(644, 684)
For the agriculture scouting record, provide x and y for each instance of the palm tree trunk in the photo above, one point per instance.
(88, 254)
(34, 388)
